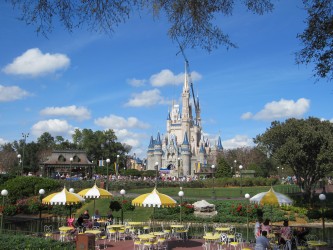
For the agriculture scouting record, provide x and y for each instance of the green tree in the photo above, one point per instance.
(101, 145)
(223, 169)
(317, 38)
(304, 145)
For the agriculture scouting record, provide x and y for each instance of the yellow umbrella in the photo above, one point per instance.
(154, 199)
(63, 198)
(95, 192)
(271, 198)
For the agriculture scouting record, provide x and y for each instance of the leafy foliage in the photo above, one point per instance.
(317, 38)
(306, 146)
(28, 242)
(191, 22)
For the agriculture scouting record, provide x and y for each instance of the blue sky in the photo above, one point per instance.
(127, 81)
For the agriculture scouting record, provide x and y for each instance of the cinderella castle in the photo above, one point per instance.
(183, 150)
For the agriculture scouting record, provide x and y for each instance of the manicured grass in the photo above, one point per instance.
(139, 213)
(206, 193)
(144, 213)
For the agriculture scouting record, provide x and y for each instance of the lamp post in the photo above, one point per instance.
(240, 171)
(117, 167)
(156, 167)
(213, 176)
(4, 193)
(180, 194)
(122, 192)
(20, 162)
(71, 190)
(25, 139)
(70, 172)
(107, 173)
(41, 193)
(322, 197)
(233, 169)
(247, 196)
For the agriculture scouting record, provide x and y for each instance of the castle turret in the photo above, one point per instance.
(158, 151)
(186, 156)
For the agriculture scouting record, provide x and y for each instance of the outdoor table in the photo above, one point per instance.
(146, 237)
(177, 226)
(94, 231)
(211, 239)
(222, 229)
(65, 229)
(317, 244)
(64, 233)
(116, 226)
(135, 223)
(158, 234)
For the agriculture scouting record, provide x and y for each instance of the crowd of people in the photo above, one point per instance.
(285, 234)
(85, 221)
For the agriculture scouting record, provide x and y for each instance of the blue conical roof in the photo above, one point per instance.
(219, 144)
(185, 142)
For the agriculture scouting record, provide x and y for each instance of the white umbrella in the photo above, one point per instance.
(95, 192)
(63, 198)
(271, 198)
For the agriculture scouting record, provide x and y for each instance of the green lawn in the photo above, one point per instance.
(206, 193)
(143, 213)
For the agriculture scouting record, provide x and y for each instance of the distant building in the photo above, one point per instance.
(183, 150)
(58, 164)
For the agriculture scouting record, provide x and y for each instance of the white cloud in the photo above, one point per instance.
(78, 113)
(146, 98)
(239, 141)
(281, 109)
(54, 126)
(136, 82)
(2, 141)
(34, 63)
(167, 77)
(117, 122)
(134, 140)
(11, 93)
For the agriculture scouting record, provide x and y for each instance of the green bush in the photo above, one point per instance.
(18, 242)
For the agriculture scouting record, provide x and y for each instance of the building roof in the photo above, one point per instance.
(62, 157)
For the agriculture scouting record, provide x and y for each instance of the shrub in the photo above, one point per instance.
(28, 242)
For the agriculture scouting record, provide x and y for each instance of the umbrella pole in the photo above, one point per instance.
(70, 211)
(94, 205)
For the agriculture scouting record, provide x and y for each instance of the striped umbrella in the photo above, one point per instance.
(154, 199)
(271, 198)
(63, 198)
(95, 192)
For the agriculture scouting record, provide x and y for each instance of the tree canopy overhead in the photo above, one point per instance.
(306, 146)
(191, 21)
(318, 38)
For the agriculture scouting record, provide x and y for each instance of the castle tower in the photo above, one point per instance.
(183, 145)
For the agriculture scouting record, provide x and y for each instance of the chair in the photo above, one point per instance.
(166, 231)
(122, 234)
(183, 232)
(238, 241)
(112, 234)
(146, 229)
(162, 243)
(223, 241)
(231, 234)
(48, 231)
(137, 244)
